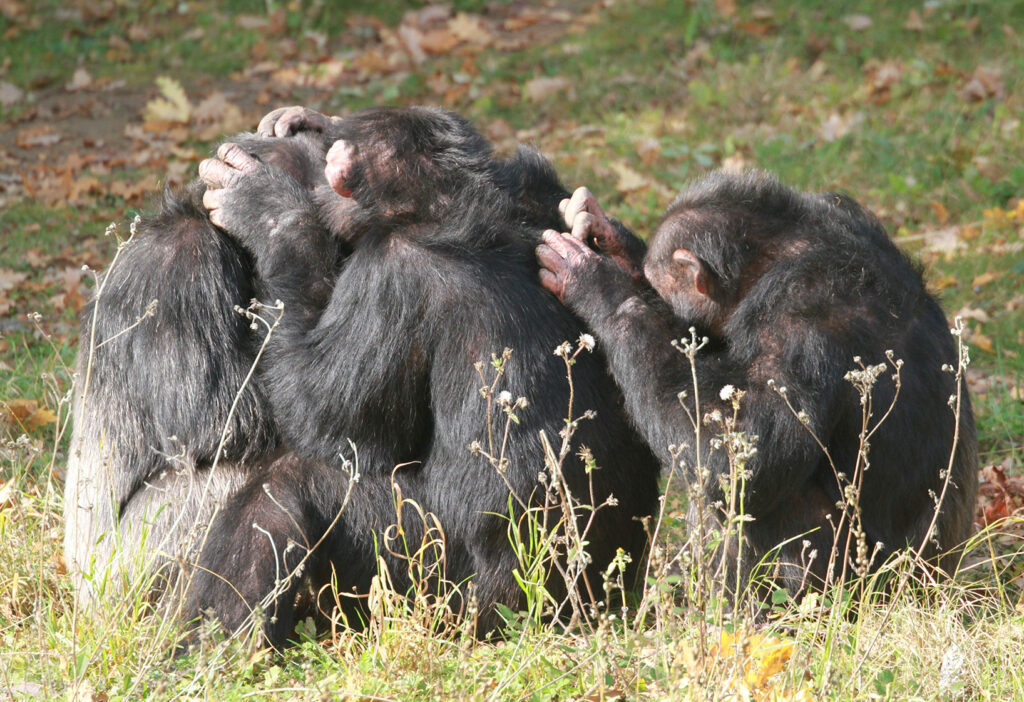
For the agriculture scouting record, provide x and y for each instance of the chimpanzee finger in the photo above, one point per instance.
(217, 174)
(266, 125)
(550, 282)
(565, 246)
(549, 259)
(583, 226)
(582, 201)
(213, 198)
(234, 156)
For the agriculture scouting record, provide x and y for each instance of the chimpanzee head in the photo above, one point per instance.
(396, 162)
(718, 237)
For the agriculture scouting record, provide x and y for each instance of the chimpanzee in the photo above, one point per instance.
(426, 253)
(163, 359)
(789, 289)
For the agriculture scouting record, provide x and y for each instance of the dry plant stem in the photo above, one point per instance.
(689, 348)
(963, 360)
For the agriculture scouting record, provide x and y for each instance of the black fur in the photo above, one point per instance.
(800, 285)
(379, 350)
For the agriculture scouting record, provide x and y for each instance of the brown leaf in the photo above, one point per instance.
(941, 213)
(544, 87)
(79, 81)
(470, 28)
(39, 135)
(726, 8)
(10, 94)
(977, 314)
(985, 83)
(133, 190)
(982, 342)
(412, 40)
(946, 281)
(914, 21)
(9, 279)
(649, 150)
(439, 41)
(837, 126)
(216, 116)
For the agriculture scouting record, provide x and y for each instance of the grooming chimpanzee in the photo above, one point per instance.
(441, 274)
(439, 237)
(789, 288)
(156, 388)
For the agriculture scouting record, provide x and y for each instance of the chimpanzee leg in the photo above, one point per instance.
(265, 542)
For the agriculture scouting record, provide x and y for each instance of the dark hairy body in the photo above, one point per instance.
(789, 288)
(393, 287)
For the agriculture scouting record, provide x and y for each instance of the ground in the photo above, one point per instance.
(914, 108)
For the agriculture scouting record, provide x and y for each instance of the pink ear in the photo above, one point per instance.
(701, 280)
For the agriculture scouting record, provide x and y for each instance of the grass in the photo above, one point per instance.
(657, 92)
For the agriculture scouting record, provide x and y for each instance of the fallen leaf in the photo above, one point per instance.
(726, 8)
(9, 279)
(79, 81)
(941, 213)
(735, 164)
(984, 279)
(978, 315)
(216, 116)
(982, 342)
(173, 107)
(629, 179)
(39, 135)
(837, 126)
(6, 492)
(25, 414)
(439, 41)
(946, 281)
(470, 28)
(858, 23)
(649, 150)
(10, 94)
(914, 21)
(134, 189)
(543, 88)
(985, 83)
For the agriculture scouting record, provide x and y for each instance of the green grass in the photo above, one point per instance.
(665, 89)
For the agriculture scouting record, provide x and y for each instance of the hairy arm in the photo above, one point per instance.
(636, 330)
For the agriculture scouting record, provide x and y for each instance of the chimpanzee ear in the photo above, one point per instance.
(702, 278)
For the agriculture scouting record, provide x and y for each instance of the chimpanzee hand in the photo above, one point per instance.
(586, 282)
(250, 200)
(288, 121)
(590, 225)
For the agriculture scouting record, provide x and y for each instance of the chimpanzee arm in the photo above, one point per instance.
(636, 331)
(322, 354)
(278, 221)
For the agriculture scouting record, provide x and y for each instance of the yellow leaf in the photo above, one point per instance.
(984, 279)
(946, 281)
(6, 493)
(40, 418)
(172, 107)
